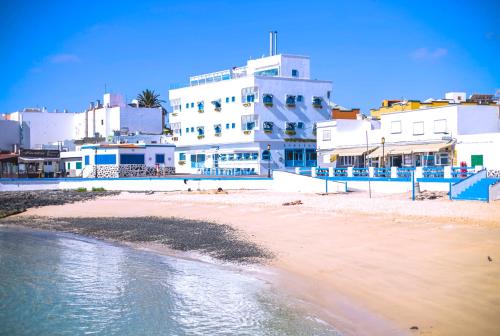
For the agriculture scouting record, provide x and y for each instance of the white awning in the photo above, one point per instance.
(410, 148)
(352, 151)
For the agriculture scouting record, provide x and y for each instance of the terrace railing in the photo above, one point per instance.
(462, 172)
(433, 172)
(228, 171)
(321, 171)
(382, 172)
(340, 172)
(360, 172)
(405, 172)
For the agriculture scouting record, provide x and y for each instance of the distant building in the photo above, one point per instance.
(112, 117)
(432, 133)
(225, 121)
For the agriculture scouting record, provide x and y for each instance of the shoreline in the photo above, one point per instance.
(406, 264)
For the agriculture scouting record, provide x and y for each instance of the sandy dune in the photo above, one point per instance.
(372, 266)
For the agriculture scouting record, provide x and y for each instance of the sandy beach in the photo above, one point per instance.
(370, 266)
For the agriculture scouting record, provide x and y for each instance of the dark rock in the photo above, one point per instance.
(414, 328)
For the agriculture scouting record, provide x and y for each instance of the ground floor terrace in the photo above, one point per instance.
(245, 159)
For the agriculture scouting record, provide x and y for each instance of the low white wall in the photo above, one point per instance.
(495, 192)
(282, 181)
(379, 186)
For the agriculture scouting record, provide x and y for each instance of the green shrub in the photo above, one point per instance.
(98, 189)
(81, 189)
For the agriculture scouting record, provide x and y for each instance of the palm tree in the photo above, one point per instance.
(148, 98)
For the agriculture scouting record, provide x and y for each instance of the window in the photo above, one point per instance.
(201, 106)
(68, 166)
(201, 130)
(217, 104)
(266, 155)
(182, 156)
(233, 99)
(79, 165)
(132, 158)
(227, 126)
(103, 159)
(418, 128)
(300, 98)
(187, 105)
(227, 99)
(102, 122)
(197, 160)
(233, 125)
(316, 102)
(300, 125)
(249, 122)
(192, 129)
(395, 127)
(294, 157)
(268, 126)
(440, 126)
(217, 128)
(267, 99)
(187, 129)
(269, 72)
(442, 159)
(87, 160)
(295, 73)
(290, 126)
(345, 161)
(290, 100)
(327, 135)
(249, 94)
(192, 104)
(160, 158)
(311, 157)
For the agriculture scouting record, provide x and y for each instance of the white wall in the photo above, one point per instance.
(10, 134)
(487, 144)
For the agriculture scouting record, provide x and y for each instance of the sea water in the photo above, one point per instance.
(63, 284)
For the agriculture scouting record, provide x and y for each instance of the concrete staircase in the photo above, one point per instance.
(478, 191)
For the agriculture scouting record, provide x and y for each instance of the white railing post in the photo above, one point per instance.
(394, 172)
(297, 170)
(330, 171)
(349, 172)
(314, 173)
(447, 172)
(419, 172)
(371, 171)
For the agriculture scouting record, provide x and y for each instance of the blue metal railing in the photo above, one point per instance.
(340, 172)
(360, 172)
(381, 172)
(228, 171)
(462, 172)
(433, 172)
(405, 172)
(322, 172)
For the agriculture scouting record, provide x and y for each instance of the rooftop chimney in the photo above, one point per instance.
(275, 52)
(271, 43)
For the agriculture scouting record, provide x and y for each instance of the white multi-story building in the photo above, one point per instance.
(40, 127)
(459, 132)
(225, 121)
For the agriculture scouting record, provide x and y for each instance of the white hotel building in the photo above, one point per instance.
(223, 122)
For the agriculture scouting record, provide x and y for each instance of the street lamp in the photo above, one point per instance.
(383, 149)
(269, 161)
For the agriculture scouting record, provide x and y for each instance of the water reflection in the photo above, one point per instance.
(58, 284)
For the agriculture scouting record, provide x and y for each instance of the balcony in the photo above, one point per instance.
(267, 99)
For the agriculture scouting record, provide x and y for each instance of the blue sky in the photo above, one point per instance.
(61, 54)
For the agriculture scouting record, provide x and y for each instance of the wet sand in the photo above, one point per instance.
(372, 266)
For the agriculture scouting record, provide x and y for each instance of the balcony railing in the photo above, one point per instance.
(462, 172)
(360, 172)
(382, 172)
(340, 172)
(405, 172)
